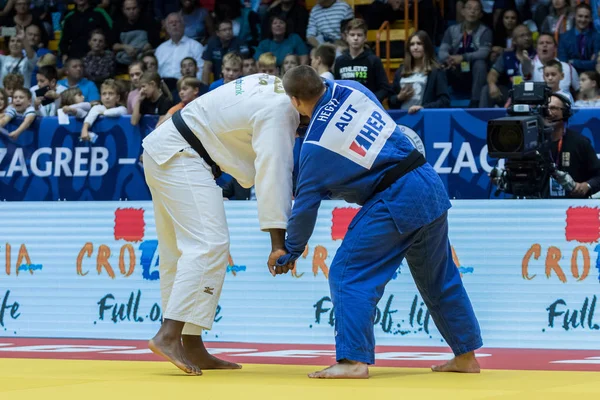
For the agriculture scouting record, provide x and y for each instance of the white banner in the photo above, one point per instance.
(90, 270)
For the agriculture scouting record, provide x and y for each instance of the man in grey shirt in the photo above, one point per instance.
(464, 52)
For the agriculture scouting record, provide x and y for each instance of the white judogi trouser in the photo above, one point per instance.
(193, 239)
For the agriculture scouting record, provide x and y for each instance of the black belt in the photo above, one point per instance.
(414, 160)
(193, 141)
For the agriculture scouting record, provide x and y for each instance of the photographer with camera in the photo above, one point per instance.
(543, 159)
(571, 152)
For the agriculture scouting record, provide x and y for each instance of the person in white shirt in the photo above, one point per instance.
(322, 59)
(46, 94)
(546, 51)
(16, 62)
(173, 51)
(110, 96)
(248, 128)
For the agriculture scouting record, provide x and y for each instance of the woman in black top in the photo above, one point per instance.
(419, 83)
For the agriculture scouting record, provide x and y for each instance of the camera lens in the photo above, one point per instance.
(507, 138)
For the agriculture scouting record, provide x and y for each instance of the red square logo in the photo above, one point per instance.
(341, 218)
(129, 224)
(583, 224)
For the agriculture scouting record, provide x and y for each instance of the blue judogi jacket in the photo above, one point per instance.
(350, 144)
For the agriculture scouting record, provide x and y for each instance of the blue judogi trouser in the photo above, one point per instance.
(366, 261)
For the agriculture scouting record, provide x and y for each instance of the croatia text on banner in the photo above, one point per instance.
(48, 162)
(90, 270)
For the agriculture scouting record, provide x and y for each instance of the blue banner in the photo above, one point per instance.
(47, 162)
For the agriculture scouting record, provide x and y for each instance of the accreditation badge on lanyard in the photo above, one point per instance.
(556, 189)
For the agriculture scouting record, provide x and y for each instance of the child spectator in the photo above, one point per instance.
(110, 95)
(231, 70)
(589, 90)
(553, 74)
(153, 100)
(249, 66)
(99, 63)
(267, 64)
(360, 64)
(73, 103)
(189, 88)
(20, 107)
(46, 94)
(322, 59)
(290, 61)
(12, 82)
(3, 102)
(136, 70)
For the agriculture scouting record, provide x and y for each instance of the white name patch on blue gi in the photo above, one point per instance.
(356, 129)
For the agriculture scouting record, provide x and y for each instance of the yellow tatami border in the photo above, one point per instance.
(39, 379)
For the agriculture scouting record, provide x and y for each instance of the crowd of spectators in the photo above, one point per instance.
(139, 57)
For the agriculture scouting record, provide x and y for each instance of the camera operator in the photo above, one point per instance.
(571, 152)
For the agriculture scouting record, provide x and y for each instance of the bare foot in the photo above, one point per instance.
(197, 354)
(344, 369)
(173, 351)
(466, 363)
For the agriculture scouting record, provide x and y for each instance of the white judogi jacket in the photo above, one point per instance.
(248, 128)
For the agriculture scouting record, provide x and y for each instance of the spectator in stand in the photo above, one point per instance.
(503, 33)
(290, 61)
(136, 70)
(325, 21)
(360, 64)
(282, 43)
(12, 82)
(99, 63)
(150, 62)
(76, 27)
(560, 19)
(3, 102)
(232, 69)
(580, 46)
(73, 103)
(23, 18)
(249, 25)
(553, 74)
(74, 73)
(134, 33)
(464, 52)
(110, 107)
(249, 66)
(153, 99)
(322, 59)
(46, 94)
(419, 83)
(189, 89)
(20, 107)
(546, 51)
(267, 64)
(33, 33)
(170, 53)
(294, 14)
(6, 7)
(487, 8)
(197, 21)
(506, 71)
(224, 42)
(16, 62)
(589, 92)
(162, 8)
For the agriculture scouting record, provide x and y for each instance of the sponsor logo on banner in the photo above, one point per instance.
(9, 309)
(582, 225)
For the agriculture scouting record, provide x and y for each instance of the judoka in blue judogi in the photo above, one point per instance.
(354, 151)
